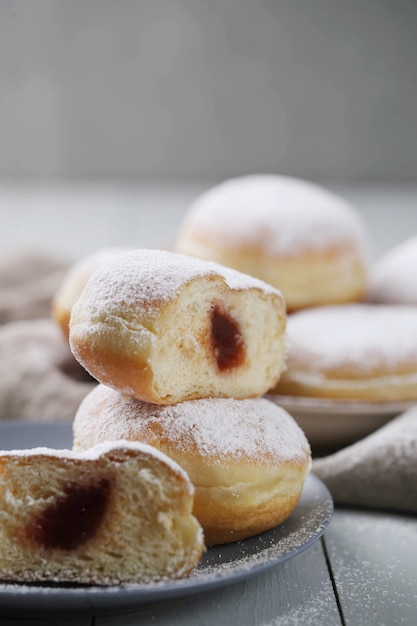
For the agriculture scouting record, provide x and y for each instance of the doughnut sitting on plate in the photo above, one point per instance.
(184, 348)
(304, 240)
(247, 459)
(350, 352)
(120, 512)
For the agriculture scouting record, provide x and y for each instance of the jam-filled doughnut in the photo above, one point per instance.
(247, 459)
(119, 513)
(74, 280)
(352, 352)
(393, 277)
(306, 241)
(164, 328)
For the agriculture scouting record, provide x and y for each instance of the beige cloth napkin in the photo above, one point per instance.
(27, 284)
(379, 471)
(39, 377)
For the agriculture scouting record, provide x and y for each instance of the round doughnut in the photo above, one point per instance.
(119, 513)
(164, 328)
(297, 236)
(352, 352)
(247, 459)
(74, 281)
(393, 277)
(39, 377)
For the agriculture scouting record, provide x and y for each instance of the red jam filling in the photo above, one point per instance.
(227, 341)
(72, 519)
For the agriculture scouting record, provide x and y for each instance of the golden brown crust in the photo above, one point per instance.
(247, 459)
(245, 522)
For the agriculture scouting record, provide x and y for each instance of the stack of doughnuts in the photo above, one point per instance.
(184, 349)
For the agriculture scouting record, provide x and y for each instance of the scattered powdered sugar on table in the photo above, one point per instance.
(381, 557)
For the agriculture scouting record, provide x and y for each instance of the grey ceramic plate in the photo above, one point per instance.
(222, 565)
(335, 424)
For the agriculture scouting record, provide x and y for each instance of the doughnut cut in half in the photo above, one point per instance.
(164, 328)
(118, 513)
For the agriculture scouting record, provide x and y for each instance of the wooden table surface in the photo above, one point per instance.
(364, 569)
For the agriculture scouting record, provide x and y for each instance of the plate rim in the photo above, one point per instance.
(353, 408)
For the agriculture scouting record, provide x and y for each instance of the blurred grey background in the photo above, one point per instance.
(183, 89)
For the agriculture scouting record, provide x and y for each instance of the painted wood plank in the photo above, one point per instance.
(297, 592)
(373, 557)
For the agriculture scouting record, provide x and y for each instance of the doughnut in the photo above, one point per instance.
(247, 459)
(28, 281)
(304, 240)
(352, 352)
(74, 280)
(40, 379)
(392, 278)
(118, 513)
(164, 328)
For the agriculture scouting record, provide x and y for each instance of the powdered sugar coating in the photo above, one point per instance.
(144, 277)
(393, 278)
(283, 215)
(359, 335)
(219, 428)
(97, 451)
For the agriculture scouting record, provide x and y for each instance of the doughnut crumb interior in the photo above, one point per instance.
(117, 513)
